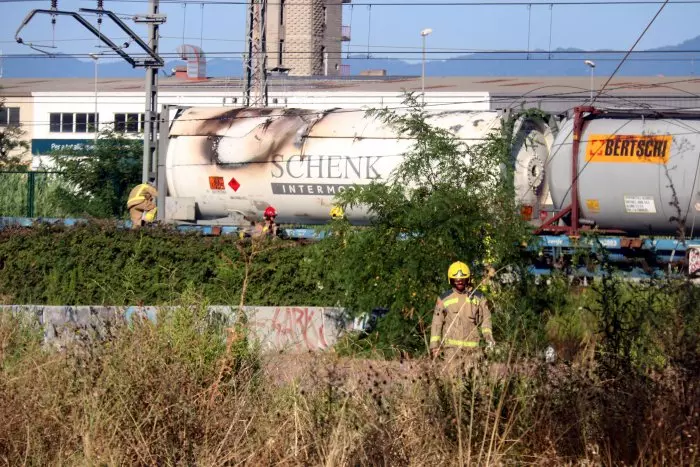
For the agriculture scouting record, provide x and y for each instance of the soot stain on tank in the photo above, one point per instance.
(260, 204)
(224, 120)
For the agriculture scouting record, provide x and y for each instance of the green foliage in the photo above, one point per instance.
(442, 203)
(101, 264)
(14, 188)
(637, 322)
(97, 181)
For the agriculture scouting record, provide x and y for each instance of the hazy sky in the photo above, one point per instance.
(392, 28)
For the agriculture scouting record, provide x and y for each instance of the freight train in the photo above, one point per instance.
(629, 176)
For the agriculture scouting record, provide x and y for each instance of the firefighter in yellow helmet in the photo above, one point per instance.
(459, 315)
(337, 213)
(142, 204)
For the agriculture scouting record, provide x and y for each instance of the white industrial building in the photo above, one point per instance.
(58, 112)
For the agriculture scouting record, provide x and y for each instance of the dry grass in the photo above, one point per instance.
(179, 394)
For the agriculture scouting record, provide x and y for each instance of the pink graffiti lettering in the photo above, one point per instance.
(693, 261)
(299, 326)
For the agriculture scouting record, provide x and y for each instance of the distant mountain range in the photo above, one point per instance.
(676, 60)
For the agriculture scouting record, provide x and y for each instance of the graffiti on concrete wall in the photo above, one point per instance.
(295, 328)
(285, 328)
(693, 261)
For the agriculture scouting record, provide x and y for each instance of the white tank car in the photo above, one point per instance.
(240, 161)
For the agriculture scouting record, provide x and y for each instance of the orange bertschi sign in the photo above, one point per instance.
(655, 149)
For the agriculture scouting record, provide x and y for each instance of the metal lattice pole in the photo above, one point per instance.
(150, 155)
(256, 88)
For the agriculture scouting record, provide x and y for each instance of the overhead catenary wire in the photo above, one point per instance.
(578, 172)
(612, 75)
(573, 93)
(415, 50)
(310, 112)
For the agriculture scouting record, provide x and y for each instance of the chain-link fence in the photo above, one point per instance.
(30, 194)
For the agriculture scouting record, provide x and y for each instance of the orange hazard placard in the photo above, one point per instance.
(216, 183)
(655, 149)
(593, 205)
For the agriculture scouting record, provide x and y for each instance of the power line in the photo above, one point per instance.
(397, 52)
(311, 112)
(529, 94)
(630, 50)
(579, 172)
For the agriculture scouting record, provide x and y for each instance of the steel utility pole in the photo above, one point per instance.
(150, 142)
(255, 63)
(152, 62)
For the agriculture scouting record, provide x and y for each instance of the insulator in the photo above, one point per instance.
(54, 4)
(100, 4)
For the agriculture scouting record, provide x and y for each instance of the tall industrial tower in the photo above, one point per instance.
(306, 36)
(301, 36)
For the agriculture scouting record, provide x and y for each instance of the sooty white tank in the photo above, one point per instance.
(243, 160)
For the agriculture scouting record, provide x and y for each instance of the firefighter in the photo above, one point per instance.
(267, 228)
(459, 315)
(337, 213)
(142, 204)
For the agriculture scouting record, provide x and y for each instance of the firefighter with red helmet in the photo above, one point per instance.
(460, 315)
(267, 228)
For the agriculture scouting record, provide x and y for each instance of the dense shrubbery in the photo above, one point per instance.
(101, 264)
(14, 192)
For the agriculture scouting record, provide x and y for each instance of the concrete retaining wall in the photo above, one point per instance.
(284, 328)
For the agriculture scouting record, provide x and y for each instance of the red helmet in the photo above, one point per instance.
(270, 212)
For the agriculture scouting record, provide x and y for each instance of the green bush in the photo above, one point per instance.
(97, 182)
(14, 188)
(98, 263)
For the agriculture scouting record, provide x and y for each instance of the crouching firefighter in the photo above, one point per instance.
(459, 315)
(267, 228)
(142, 204)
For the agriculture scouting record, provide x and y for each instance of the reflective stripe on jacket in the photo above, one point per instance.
(139, 194)
(457, 319)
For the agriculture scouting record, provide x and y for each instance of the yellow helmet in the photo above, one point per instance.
(337, 212)
(458, 270)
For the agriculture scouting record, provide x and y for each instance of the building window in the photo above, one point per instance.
(85, 123)
(129, 123)
(9, 116)
(73, 122)
(281, 12)
(325, 16)
(132, 123)
(55, 123)
(280, 52)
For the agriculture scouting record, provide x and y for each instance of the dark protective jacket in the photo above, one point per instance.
(457, 319)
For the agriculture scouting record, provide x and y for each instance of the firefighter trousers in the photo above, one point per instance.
(137, 212)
